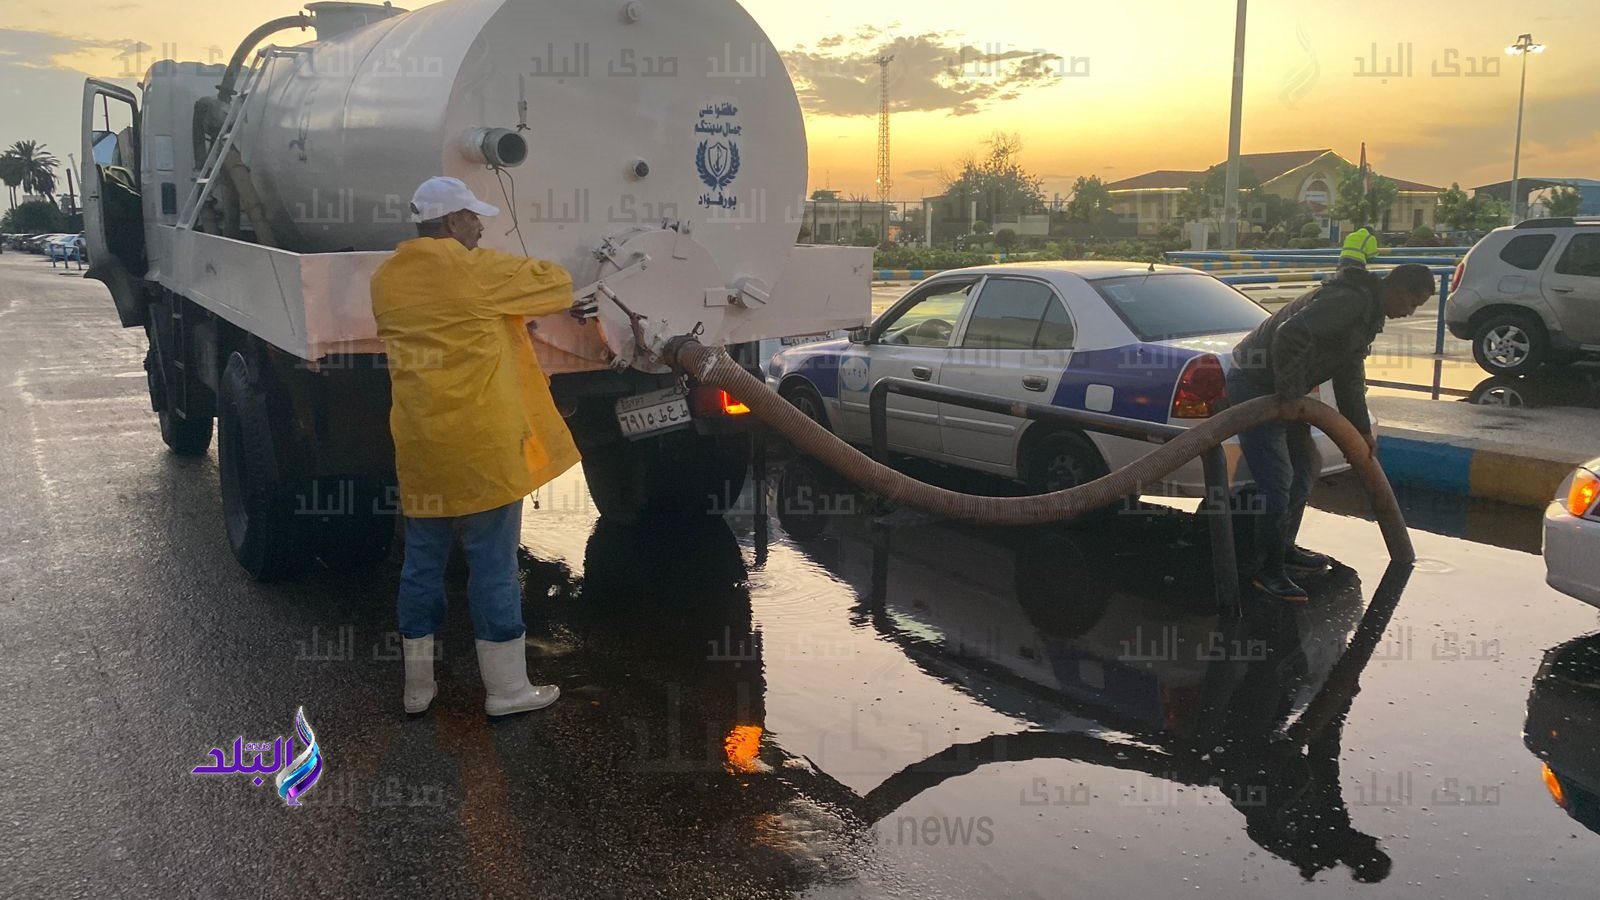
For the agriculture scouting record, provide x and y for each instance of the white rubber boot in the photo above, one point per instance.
(504, 665)
(420, 689)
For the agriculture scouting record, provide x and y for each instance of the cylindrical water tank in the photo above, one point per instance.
(609, 117)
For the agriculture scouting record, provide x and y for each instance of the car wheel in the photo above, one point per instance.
(1061, 461)
(804, 397)
(1510, 344)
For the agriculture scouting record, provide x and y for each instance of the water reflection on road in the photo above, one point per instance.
(918, 708)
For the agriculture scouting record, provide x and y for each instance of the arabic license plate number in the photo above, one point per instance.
(653, 413)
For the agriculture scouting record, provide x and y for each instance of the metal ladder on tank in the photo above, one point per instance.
(211, 169)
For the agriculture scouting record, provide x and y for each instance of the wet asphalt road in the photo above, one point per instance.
(856, 707)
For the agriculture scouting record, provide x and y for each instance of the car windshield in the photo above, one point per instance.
(1170, 305)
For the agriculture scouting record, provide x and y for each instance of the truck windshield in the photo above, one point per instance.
(1168, 305)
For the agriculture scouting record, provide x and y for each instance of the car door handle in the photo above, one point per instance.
(1035, 382)
(1562, 290)
(921, 373)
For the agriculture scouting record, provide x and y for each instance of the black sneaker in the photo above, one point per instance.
(1301, 558)
(1280, 587)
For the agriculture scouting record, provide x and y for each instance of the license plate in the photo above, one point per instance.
(798, 339)
(653, 413)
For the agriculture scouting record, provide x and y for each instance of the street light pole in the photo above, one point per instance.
(1522, 47)
(1230, 190)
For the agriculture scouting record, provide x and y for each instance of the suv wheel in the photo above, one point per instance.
(1510, 344)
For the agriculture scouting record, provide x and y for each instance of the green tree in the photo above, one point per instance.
(33, 217)
(1565, 200)
(980, 227)
(11, 175)
(864, 237)
(1455, 208)
(1089, 199)
(35, 168)
(1204, 198)
(1352, 204)
(1005, 239)
(1488, 213)
(996, 180)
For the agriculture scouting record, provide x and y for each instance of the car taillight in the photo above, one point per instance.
(1455, 277)
(1585, 488)
(1200, 389)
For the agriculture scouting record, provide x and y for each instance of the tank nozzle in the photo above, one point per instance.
(501, 148)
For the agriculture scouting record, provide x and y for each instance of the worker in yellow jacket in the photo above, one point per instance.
(475, 430)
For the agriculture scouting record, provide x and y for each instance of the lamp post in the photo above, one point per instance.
(1230, 190)
(1522, 48)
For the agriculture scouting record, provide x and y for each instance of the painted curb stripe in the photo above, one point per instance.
(1472, 472)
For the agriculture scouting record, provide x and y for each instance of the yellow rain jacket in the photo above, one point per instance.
(474, 425)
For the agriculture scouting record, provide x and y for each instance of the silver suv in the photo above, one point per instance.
(1529, 295)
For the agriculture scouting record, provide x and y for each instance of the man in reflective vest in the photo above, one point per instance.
(475, 430)
(1360, 247)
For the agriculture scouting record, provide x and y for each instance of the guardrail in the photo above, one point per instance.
(1215, 507)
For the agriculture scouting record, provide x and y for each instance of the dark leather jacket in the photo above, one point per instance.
(1324, 335)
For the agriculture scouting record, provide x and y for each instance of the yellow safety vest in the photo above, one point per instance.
(1360, 246)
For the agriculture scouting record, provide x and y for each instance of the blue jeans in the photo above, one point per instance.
(1284, 462)
(494, 595)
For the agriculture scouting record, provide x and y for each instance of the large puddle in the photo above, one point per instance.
(917, 708)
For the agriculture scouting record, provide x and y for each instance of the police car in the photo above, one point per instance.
(1144, 342)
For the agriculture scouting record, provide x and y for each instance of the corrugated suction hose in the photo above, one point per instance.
(713, 367)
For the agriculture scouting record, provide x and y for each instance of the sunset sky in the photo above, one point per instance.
(1152, 89)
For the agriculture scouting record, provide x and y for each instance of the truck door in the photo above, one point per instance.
(1572, 287)
(113, 219)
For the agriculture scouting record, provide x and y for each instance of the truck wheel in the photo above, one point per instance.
(679, 474)
(258, 503)
(183, 436)
(1510, 344)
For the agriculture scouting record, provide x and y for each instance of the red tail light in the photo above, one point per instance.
(710, 401)
(731, 406)
(1200, 389)
(1455, 279)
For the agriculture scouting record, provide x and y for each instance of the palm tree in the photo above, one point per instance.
(11, 175)
(35, 167)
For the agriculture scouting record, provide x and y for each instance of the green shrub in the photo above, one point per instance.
(1310, 230)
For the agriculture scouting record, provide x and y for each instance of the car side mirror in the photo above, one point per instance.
(860, 335)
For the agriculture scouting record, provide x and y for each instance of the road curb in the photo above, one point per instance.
(1486, 470)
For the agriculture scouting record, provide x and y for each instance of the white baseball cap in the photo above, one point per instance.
(441, 195)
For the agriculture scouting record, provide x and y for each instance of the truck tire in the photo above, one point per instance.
(1510, 343)
(258, 500)
(679, 474)
(184, 436)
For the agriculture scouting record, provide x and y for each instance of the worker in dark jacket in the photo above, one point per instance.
(1322, 336)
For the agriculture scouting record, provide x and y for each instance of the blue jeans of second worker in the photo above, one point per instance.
(494, 595)
(1284, 462)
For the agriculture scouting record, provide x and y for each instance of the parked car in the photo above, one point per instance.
(37, 243)
(1572, 535)
(1144, 342)
(65, 248)
(1529, 295)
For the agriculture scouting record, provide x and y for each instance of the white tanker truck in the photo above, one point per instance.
(654, 148)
